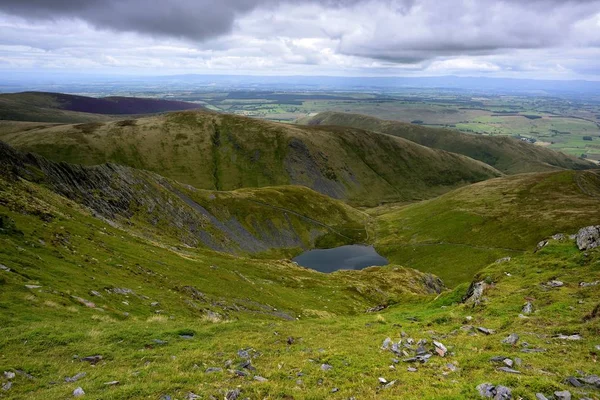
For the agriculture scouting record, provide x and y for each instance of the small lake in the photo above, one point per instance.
(344, 257)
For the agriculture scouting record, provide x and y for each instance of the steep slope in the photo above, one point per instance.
(59, 107)
(456, 234)
(227, 152)
(245, 221)
(506, 154)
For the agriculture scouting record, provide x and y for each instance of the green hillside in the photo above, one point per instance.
(67, 108)
(506, 154)
(456, 234)
(227, 152)
(86, 304)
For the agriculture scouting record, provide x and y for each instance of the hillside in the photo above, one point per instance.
(67, 108)
(247, 221)
(91, 307)
(506, 154)
(227, 152)
(458, 233)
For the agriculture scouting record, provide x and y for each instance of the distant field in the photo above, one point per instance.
(553, 122)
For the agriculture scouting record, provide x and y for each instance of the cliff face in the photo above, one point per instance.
(250, 221)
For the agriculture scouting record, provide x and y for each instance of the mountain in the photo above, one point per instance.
(67, 108)
(460, 232)
(509, 155)
(246, 221)
(90, 303)
(227, 152)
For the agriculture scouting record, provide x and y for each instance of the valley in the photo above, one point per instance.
(150, 255)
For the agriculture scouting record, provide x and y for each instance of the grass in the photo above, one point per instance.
(456, 234)
(503, 153)
(360, 167)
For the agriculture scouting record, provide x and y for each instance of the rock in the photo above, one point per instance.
(85, 302)
(4, 268)
(376, 308)
(6, 387)
(32, 286)
(159, 341)
(509, 370)
(75, 377)
(111, 383)
(574, 381)
(154, 304)
(485, 330)
(9, 375)
(527, 308)
(326, 367)
(503, 260)
(192, 396)
(92, 359)
(233, 394)
(411, 369)
(512, 339)
(452, 367)
(569, 337)
(78, 392)
(559, 236)
(541, 245)
(518, 361)
(555, 283)
(335, 390)
(95, 293)
(290, 340)
(563, 395)
(508, 362)
(440, 348)
(260, 378)
(389, 385)
(533, 350)
(383, 381)
(494, 392)
(211, 370)
(540, 396)
(588, 284)
(242, 353)
(588, 237)
(474, 293)
(593, 380)
(240, 373)
(386, 344)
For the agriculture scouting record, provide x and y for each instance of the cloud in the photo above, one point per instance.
(497, 37)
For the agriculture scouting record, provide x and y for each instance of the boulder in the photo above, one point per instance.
(475, 292)
(588, 237)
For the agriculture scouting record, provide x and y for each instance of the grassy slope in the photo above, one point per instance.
(458, 233)
(506, 154)
(58, 107)
(271, 220)
(226, 152)
(72, 253)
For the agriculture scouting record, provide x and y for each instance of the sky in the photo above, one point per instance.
(540, 39)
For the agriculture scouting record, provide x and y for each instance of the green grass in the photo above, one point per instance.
(455, 234)
(506, 154)
(363, 168)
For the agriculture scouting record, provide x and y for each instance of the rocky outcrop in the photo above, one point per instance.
(588, 237)
(475, 293)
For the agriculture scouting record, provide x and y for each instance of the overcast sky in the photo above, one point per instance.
(551, 39)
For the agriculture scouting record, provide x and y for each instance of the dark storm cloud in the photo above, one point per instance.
(191, 19)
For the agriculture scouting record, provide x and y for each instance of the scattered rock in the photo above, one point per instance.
(159, 341)
(111, 383)
(386, 344)
(260, 378)
(290, 340)
(9, 375)
(6, 387)
(588, 237)
(569, 337)
(243, 353)
(75, 377)
(541, 245)
(527, 308)
(383, 381)
(213, 370)
(92, 359)
(233, 394)
(95, 293)
(512, 339)
(574, 381)
(563, 395)
(326, 367)
(509, 370)
(533, 350)
(389, 385)
(588, 284)
(376, 308)
(503, 260)
(78, 392)
(85, 302)
(4, 268)
(440, 348)
(452, 367)
(508, 362)
(192, 396)
(411, 369)
(559, 236)
(154, 304)
(494, 392)
(32, 286)
(540, 396)
(555, 283)
(485, 330)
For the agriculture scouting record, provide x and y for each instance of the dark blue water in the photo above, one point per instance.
(345, 257)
